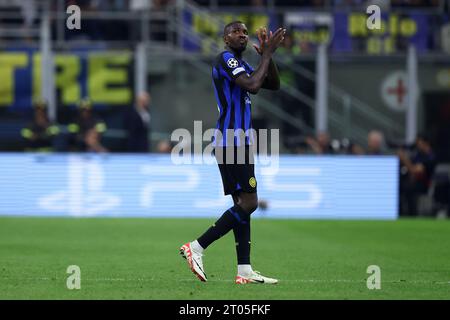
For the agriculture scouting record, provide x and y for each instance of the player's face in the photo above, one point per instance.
(237, 37)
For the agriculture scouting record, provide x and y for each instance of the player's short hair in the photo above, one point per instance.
(225, 29)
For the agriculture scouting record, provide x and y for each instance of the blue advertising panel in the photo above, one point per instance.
(122, 185)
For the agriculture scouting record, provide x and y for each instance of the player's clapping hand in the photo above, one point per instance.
(262, 38)
(269, 42)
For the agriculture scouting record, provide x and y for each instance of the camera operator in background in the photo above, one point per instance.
(416, 171)
(40, 133)
(137, 124)
(85, 121)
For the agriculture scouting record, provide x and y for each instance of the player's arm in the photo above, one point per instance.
(272, 80)
(252, 83)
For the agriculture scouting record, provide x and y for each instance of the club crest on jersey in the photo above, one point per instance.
(232, 63)
(252, 182)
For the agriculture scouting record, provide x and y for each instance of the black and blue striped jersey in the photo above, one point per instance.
(233, 102)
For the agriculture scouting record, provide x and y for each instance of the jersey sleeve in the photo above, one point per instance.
(231, 65)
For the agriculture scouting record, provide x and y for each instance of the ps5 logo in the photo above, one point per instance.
(311, 194)
(84, 195)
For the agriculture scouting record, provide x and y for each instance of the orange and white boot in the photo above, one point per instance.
(194, 260)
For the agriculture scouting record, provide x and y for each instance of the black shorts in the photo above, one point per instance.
(237, 170)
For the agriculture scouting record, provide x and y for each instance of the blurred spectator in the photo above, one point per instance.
(91, 142)
(321, 144)
(85, 121)
(137, 124)
(40, 133)
(416, 173)
(375, 144)
(164, 146)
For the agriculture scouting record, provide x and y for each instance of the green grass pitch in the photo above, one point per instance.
(138, 259)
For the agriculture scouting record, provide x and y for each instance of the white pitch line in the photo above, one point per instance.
(333, 280)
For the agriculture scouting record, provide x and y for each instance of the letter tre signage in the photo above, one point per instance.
(104, 77)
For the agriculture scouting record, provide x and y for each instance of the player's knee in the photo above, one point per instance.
(250, 205)
(253, 207)
(248, 202)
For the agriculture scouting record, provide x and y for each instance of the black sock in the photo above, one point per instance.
(242, 237)
(225, 223)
